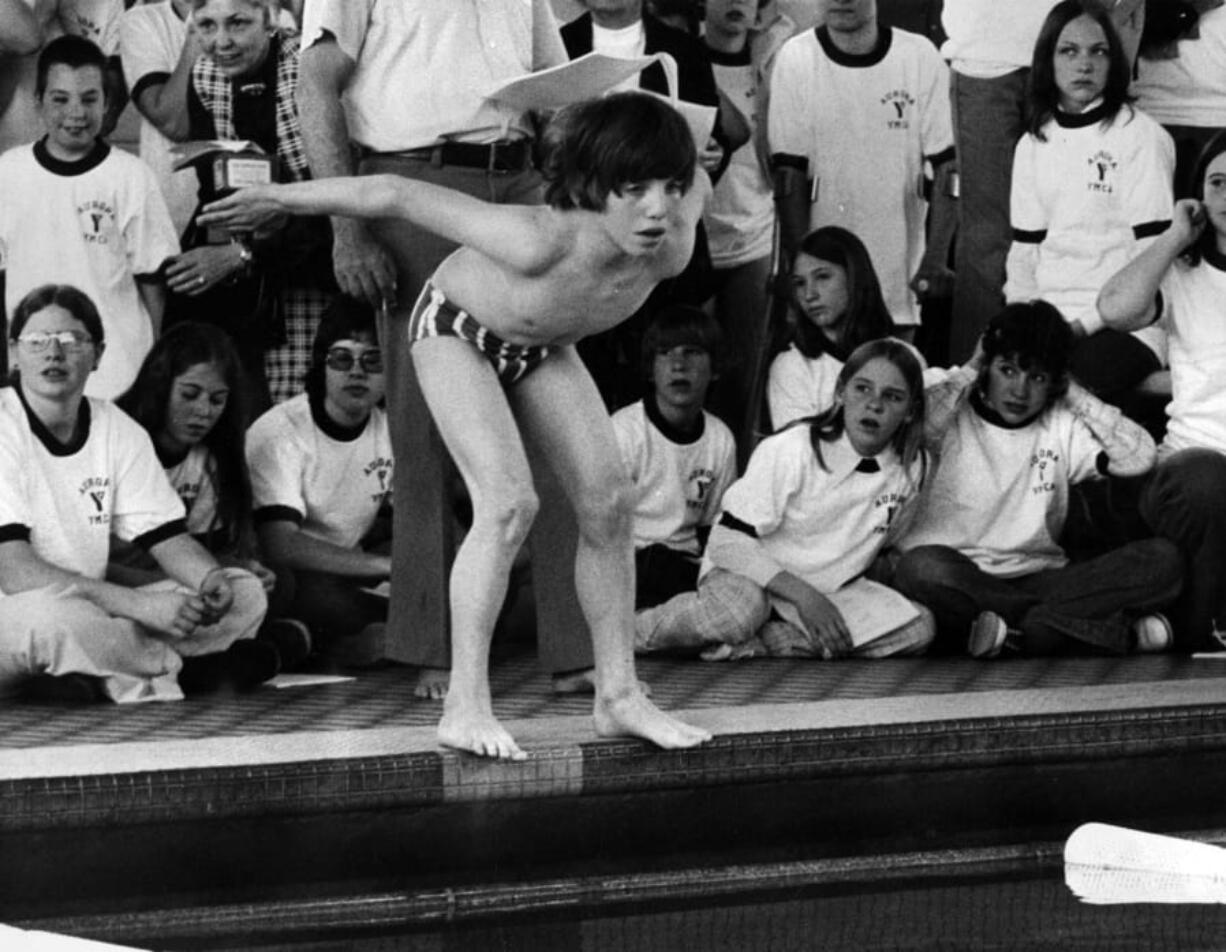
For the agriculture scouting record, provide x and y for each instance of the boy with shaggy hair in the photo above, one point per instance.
(494, 333)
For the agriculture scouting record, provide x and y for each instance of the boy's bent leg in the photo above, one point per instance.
(1182, 502)
(472, 415)
(561, 412)
(423, 538)
(46, 631)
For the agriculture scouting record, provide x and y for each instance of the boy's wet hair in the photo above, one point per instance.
(595, 147)
(344, 318)
(680, 325)
(75, 52)
(73, 300)
(1035, 336)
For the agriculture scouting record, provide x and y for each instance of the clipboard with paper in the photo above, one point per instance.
(593, 75)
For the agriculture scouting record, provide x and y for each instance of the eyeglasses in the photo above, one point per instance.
(71, 342)
(342, 359)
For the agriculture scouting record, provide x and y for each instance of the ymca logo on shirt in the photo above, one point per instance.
(1102, 172)
(699, 482)
(899, 104)
(891, 503)
(1043, 465)
(97, 220)
(95, 495)
(381, 468)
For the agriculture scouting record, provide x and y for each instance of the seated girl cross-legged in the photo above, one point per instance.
(784, 567)
(1010, 433)
(74, 471)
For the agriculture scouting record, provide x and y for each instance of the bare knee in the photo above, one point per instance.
(504, 517)
(605, 513)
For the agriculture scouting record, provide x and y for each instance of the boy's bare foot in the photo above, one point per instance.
(477, 732)
(634, 715)
(583, 682)
(432, 683)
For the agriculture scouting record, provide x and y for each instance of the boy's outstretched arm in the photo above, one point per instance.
(512, 234)
(1127, 301)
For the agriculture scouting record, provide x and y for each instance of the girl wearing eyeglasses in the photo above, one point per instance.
(321, 471)
(73, 472)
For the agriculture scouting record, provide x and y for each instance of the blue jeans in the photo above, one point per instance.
(1185, 501)
(988, 121)
(1088, 604)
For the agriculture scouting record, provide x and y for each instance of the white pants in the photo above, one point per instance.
(53, 631)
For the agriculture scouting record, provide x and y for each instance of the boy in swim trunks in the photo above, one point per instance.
(494, 352)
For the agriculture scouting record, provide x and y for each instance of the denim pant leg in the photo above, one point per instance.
(1185, 502)
(956, 590)
(988, 121)
(1093, 603)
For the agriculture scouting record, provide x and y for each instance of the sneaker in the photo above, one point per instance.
(244, 665)
(290, 637)
(63, 689)
(988, 633)
(1153, 633)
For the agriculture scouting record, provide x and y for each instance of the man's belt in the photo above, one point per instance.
(503, 156)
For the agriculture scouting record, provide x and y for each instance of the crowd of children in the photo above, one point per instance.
(227, 516)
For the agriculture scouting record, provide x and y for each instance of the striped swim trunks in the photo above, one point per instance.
(435, 316)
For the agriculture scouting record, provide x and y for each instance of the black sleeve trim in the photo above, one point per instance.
(784, 160)
(149, 79)
(277, 514)
(945, 155)
(1029, 237)
(1150, 228)
(729, 521)
(1102, 464)
(1159, 307)
(168, 531)
(14, 532)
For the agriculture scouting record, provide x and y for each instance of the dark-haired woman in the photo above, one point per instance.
(1092, 186)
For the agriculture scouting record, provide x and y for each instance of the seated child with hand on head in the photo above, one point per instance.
(190, 395)
(680, 457)
(494, 334)
(817, 504)
(836, 307)
(321, 472)
(1010, 433)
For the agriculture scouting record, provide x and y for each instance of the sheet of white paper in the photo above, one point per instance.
(307, 680)
(26, 941)
(587, 77)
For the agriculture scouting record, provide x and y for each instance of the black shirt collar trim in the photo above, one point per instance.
(670, 432)
(885, 37)
(59, 167)
(721, 58)
(1091, 117)
(991, 416)
(337, 431)
(48, 439)
(169, 459)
